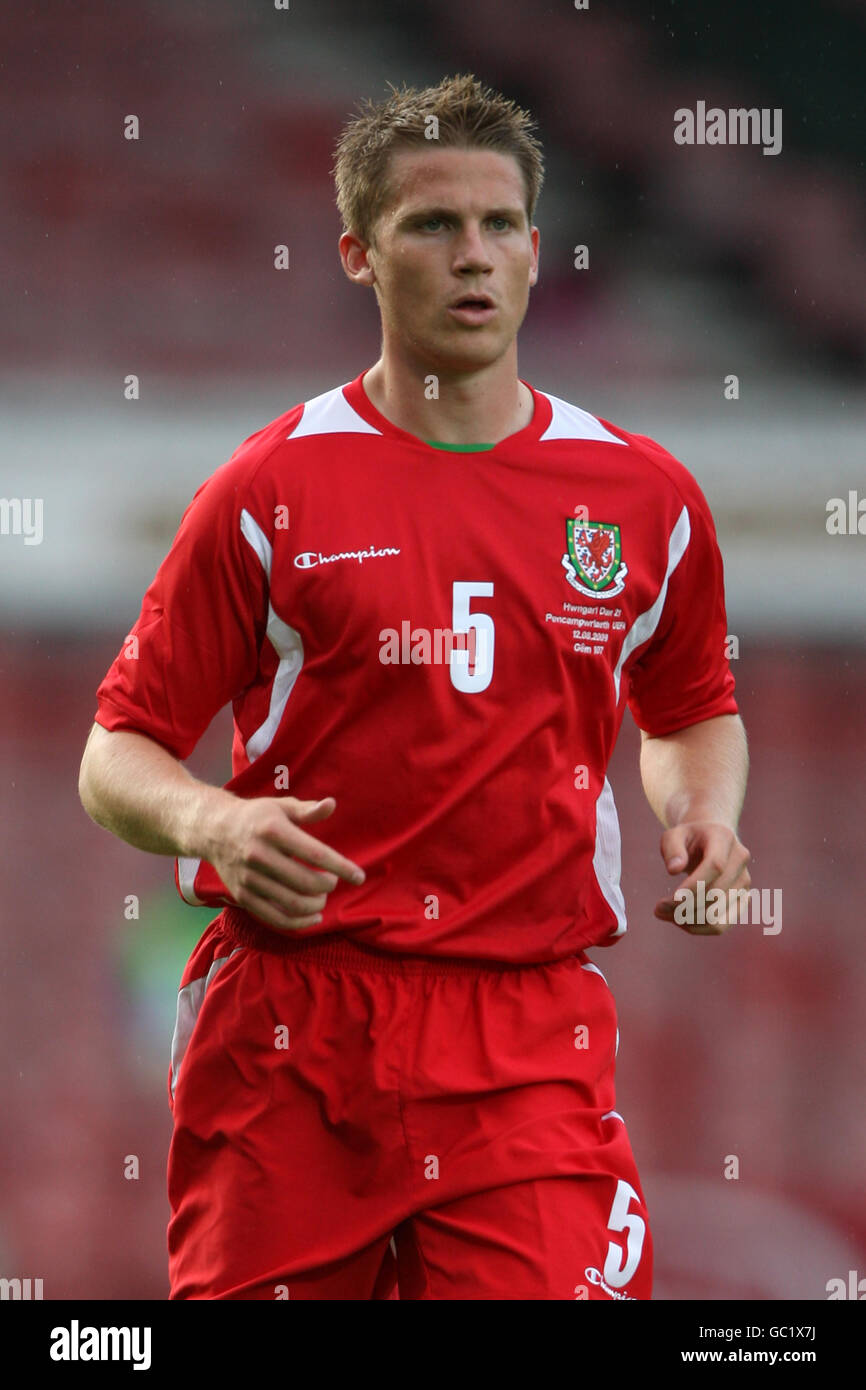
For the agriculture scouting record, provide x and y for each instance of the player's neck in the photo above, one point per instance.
(469, 408)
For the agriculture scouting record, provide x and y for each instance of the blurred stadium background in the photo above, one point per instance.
(155, 257)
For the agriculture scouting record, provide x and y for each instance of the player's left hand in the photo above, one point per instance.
(708, 852)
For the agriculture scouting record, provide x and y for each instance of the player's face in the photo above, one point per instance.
(454, 256)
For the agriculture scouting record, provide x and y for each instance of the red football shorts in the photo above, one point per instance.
(345, 1120)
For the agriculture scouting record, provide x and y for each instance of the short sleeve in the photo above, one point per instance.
(195, 645)
(683, 675)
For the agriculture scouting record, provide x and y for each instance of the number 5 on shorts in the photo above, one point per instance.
(621, 1219)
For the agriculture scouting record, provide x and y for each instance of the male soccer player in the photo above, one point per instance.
(429, 595)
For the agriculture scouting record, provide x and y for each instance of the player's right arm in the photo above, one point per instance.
(195, 648)
(132, 786)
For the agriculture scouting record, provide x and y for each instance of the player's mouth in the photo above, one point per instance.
(473, 308)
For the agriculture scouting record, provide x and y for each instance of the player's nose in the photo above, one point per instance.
(470, 249)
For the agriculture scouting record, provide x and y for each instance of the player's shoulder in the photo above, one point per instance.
(309, 421)
(292, 423)
(653, 460)
(260, 456)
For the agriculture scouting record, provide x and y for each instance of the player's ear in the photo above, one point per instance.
(354, 256)
(533, 265)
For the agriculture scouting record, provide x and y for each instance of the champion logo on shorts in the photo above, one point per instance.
(595, 1277)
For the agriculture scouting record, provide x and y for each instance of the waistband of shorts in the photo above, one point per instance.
(338, 949)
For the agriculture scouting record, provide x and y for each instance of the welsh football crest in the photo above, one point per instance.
(593, 563)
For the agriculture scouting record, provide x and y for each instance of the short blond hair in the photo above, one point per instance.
(468, 116)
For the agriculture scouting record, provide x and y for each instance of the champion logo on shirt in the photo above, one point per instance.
(593, 562)
(308, 559)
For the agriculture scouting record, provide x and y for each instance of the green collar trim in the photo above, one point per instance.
(458, 448)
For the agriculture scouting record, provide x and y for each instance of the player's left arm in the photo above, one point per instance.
(695, 781)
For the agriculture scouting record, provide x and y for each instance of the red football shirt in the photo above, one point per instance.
(316, 581)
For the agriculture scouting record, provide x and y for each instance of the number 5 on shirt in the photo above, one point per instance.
(482, 625)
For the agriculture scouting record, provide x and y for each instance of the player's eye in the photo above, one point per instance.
(505, 221)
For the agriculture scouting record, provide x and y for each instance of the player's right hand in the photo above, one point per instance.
(272, 867)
